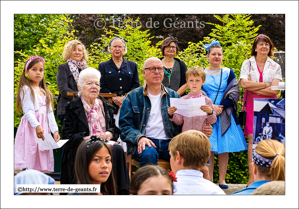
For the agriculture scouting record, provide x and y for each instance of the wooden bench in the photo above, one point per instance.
(107, 96)
(132, 164)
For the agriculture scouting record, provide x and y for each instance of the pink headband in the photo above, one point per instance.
(33, 58)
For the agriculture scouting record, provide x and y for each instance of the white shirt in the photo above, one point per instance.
(155, 127)
(191, 181)
(29, 110)
(271, 70)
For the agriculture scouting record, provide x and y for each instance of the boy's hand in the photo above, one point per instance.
(207, 130)
(207, 109)
(171, 110)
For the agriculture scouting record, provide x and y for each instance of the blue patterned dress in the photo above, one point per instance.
(233, 140)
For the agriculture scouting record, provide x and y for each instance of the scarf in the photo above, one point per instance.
(95, 117)
(74, 65)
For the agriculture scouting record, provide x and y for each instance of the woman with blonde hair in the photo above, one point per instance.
(268, 164)
(67, 76)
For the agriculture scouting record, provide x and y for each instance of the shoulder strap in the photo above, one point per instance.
(244, 100)
(219, 87)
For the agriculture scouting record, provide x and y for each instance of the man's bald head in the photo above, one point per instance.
(147, 62)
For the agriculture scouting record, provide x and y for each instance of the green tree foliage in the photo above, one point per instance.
(29, 29)
(50, 46)
(236, 35)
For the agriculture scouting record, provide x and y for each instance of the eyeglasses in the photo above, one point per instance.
(120, 47)
(153, 69)
(170, 47)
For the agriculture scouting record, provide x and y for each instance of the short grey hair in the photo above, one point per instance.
(118, 38)
(86, 72)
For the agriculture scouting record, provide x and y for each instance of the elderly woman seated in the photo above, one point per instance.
(90, 115)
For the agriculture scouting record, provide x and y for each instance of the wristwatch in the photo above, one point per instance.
(211, 113)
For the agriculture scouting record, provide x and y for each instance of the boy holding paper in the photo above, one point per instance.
(195, 77)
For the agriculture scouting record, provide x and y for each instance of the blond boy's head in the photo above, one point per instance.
(196, 71)
(192, 148)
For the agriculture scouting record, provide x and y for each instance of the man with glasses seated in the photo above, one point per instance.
(144, 119)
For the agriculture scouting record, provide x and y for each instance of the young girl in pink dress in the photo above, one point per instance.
(38, 119)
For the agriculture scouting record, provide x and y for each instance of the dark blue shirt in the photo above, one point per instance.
(115, 80)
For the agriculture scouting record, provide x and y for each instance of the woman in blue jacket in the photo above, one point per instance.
(118, 76)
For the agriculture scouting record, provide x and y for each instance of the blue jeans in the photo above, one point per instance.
(151, 155)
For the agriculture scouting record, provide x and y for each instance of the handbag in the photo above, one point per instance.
(242, 114)
(242, 117)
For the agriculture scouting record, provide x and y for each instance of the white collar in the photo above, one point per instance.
(189, 172)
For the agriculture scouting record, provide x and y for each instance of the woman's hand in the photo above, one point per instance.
(39, 132)
(171, 110)
(107, 135)
(207, 109)
(218, 109)
(56, 136)
(86, 137)
(118, 100)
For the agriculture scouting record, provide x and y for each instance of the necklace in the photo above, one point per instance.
(164, 64)
(118, 64)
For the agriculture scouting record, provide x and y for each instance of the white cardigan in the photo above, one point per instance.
(271, 70)
(29, 110)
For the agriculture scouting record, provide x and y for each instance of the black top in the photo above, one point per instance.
(66, 83)
(75, 127)
(182, 77)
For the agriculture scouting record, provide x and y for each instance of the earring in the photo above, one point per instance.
(255, 50)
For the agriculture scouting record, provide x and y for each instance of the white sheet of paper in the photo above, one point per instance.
(188, 107)
(111, 142)
(49, 142)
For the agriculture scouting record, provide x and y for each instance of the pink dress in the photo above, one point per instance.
(27, 153)
(249, 97)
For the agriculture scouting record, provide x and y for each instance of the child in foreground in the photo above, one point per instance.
(189, 153)
(38, 119)
(93, 165)
(32, 177)
(151, 180)
(195, 79)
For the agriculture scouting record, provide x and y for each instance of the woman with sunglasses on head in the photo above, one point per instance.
(258, 74)
(174, 69)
